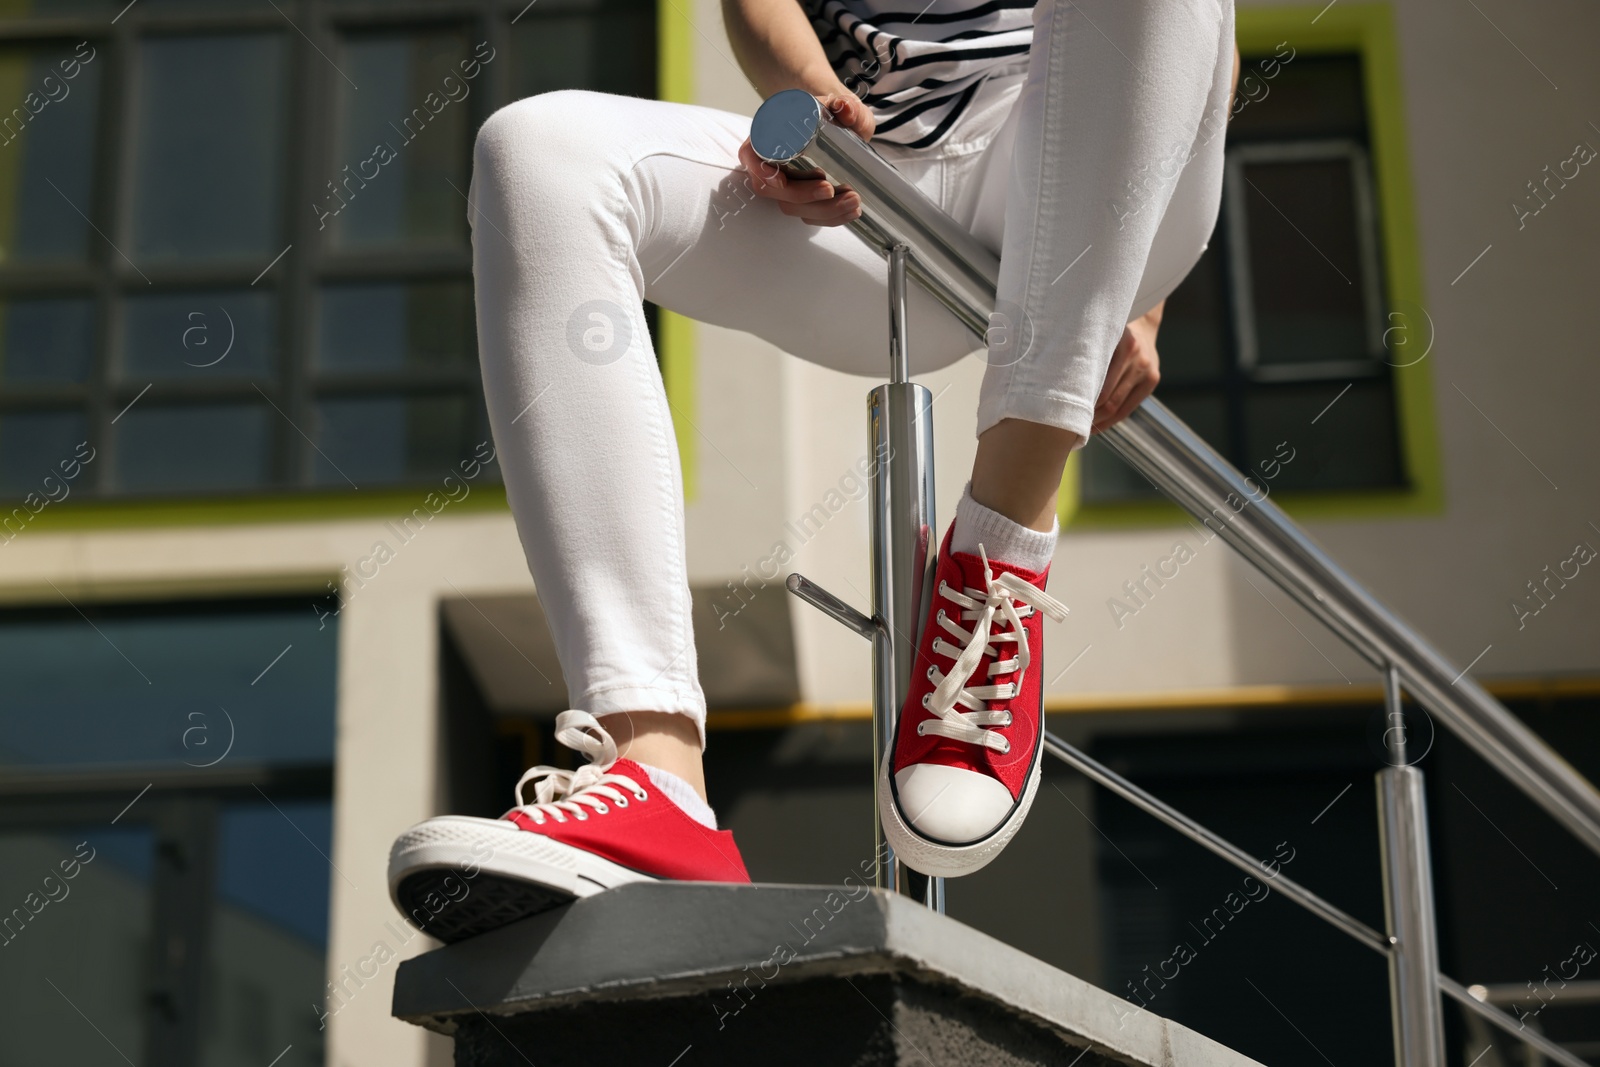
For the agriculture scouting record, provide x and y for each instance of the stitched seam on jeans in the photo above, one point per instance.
(1000, 409)
(648, 376)
(664, 454)
(677, 153)
(650, 688)
(1054, 398)
(1062, 401)
(730, 167)
(1048, 138)
(662, 150)
(1166, 287)
(1196, 145)
(952, 147)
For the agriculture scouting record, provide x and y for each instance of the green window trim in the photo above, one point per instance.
(1367, 29)
(677, 334)
(675, 76)
(256, 508)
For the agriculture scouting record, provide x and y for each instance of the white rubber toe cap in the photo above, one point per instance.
(951, 804)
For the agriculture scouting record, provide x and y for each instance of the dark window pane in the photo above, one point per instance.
(263, 859)
(1307, 97)
(209, 147)
(21, 9)
(1193, 340)
(1206, 413)
(391, 439)
(1306, 276)
(249, 683)
(207, 336)
(85, 949)
(1299, 224)
(1353, 445)
(554, 52)
(193, 448)
(33, 447)
(78, 695)
(229, 6)
(1105, 477)
(480, 422)
(404, 139)
(395, 327)
(612, 50)
(46, 341)
(269, 934)
(48, 140)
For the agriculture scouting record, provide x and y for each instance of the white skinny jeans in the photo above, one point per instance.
(1102, 154)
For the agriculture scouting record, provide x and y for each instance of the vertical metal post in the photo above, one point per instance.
(1408, 899)
(899, 354)
(900, 434)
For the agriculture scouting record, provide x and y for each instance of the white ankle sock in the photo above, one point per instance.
(682, 794)
(1002, 539)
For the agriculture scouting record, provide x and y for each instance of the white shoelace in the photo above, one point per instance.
(560, 792)
(999, 596)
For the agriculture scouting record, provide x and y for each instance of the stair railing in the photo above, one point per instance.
(921, 242)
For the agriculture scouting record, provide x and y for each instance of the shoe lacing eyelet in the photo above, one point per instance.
(621, 802)
(602, 810)
(930, 675)
(641, 796)
(926, 697)
(582, 817)
(1006, 748)
(920, 731)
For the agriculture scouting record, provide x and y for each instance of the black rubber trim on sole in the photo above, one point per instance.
(894, 793)
(492, 901)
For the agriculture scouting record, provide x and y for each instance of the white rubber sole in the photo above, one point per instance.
(456, 876)
(940, 859)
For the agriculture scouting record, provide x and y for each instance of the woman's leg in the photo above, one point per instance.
(582, 205)
(1089, 165)
(1115, 173)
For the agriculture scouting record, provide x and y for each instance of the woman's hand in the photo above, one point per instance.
(1135, 369)
(846, 109)
(814, 201)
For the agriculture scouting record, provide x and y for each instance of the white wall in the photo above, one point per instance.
(1513, 334)
(1510, 335)
(388, 680)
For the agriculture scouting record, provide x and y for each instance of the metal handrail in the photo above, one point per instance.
(1098, 772)
(791, 131)
(1185, 468)
(963, 275)
(1334, 916)
(1505, 1021)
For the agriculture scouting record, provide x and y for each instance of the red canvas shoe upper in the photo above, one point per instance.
(611, 808)
(975, 695)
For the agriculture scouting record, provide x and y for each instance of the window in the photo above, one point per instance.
(1276, 349)
(166, 818)
(234, 250)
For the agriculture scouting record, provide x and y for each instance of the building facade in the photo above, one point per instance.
(262, 605)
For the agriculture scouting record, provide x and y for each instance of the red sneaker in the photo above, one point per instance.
(600, 826)
(963, 769)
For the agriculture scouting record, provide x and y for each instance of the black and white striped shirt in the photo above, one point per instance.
(917, 63)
